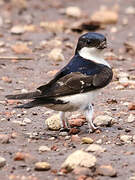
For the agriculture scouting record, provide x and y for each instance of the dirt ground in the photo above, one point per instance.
(25, 75)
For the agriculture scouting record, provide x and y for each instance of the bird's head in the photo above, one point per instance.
(91, 42)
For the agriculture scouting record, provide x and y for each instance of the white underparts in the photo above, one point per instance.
(93, 54)
(79, 101)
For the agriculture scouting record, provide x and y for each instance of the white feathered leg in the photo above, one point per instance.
(63, 121)
(89, 115)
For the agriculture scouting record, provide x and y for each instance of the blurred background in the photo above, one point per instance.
(37, 38)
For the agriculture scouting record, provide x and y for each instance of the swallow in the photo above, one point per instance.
(76, 85)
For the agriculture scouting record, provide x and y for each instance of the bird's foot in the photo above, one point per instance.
(92, 128)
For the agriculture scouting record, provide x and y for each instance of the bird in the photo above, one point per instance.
(76, 86)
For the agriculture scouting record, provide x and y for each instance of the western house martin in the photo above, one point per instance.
(76, 85)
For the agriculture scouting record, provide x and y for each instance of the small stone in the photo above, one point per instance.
(103, 120)
(18, 29)
(119, 87)
(85, 24)
(51, 138)
(126, 138)
(131, 106)
(82, 171)
(134, 139)
(56, 55)
(4, 139)
(125, 21)
(27, 120)
(2, 44)
(105, 17)
(82, 177)
(53, 122)
(21, 156)
(130, 10)
(131, 118)
(51, 43)
(67, 137)
(132, 178)
(76, 122)
(42, 166)
(87, 140)
(2, 162)
(74, 11)
(21, 48)
(106, 170)
(99, 141)
(73, 131)
(75, 138)
(44, 149)
(130, 47)
(1, 21)
(79, 158)
(95, 148)
(24, 91)
(63, 133)
(54, 26)
(6, 79)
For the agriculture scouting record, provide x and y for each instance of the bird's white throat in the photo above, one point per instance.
(93, 54)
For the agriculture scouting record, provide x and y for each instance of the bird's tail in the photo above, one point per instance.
(30, 104)
(30, 95)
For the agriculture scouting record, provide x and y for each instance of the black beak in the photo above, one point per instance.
(102, 45)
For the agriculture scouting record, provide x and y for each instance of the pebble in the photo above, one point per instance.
(126, 138)
(64, 133)
(24, 91)
(131, 118)
(103, 120)
(44, 149)
(2, 44)
(51, 43)
(53, 122)
(56, 54)
(2, 161)
(87, 140)
(76, 122)
(74, 11)
(82, 171)
(99, 141)
(95, 148)
(42, 166)
(132, 178)
(75, 138)
(67, 137)
(1, 21)
(119, 87)
(130, 10)
(131, 106)
(27, 120)
(22, 156)
(134, 139)
(18, 29)
(105, 17)
(53, 26)
(106, 170)
(4, 139)
(79, 158)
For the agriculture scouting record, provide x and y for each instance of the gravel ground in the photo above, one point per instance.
(26, 40)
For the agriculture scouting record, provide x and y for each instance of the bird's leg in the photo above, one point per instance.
(63, 121)
(89, 116)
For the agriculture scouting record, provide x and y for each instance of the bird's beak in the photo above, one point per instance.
(102, 45)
